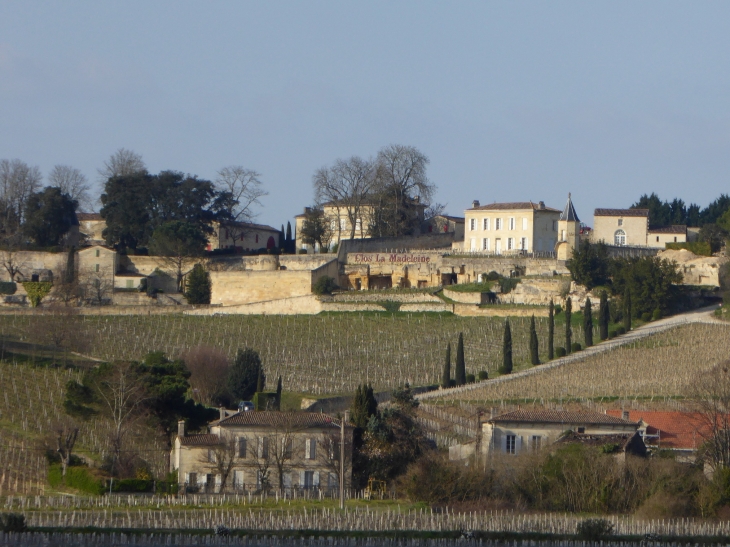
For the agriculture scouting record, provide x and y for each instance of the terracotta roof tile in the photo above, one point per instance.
(560, 417)
(675, 229)
(516, 205)
(621, 213)
(677, 430)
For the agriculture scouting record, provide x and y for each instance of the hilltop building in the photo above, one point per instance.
(569, 231)
(630, 227)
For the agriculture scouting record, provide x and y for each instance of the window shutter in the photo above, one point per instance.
(301, 479)
(316, 478)
(313, 447)
(518, 444)
(307, 449)
(504, 443)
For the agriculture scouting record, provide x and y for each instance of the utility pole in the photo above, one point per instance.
(342, 460)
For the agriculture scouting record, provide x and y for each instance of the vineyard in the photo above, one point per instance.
(660, 366)
(323, 354)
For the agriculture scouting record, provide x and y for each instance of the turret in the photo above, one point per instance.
(568, 231)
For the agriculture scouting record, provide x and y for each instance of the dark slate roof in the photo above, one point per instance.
(569, 213)
(675, 229)
(264, 418)
(512, 205)
(560, 417)
(200, 440)
(621, 213)
(250, 225)
(89, 216)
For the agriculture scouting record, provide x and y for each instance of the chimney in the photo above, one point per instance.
(625, 414)
(307, 210)
(475, 204)
(541, 205)
(181, 428)
(222, 411)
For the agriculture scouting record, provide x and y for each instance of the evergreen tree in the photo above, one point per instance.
(506, 367)
(278, 393)
(244, 374)
(627, 309)
(603, 316)
(289, 240)
(371, 403)
(551, 331)
(460, 372)
(260, 381)
(446, 376)
(198, 287)
(357, 409)
(568, 326)
(534, 346)
(588, 323)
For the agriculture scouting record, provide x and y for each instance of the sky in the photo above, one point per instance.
(510, 101)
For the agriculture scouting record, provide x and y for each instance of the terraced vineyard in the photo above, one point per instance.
(659, 366)
(320, 354)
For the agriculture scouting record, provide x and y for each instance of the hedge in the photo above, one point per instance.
(8, 287)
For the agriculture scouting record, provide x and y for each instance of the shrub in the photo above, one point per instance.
(79, 478)
(560, 351)
(697, 247)
(198, 286)
(483, 375)
(37, 291)
(612, 333)
(302, 251)
(324, 285)
(132, 485)
(558, 309)
(391, 306)
(452, 383)
(506, 284)
(8, 287)
(594, 529)
(575, 346)
(620, 330)
(646, 317)
(470, 378)
(656, 314)
(492, 276)
(12, 522)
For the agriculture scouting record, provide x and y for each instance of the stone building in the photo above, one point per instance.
(621, 227)
(91, 226)
(263, 451)
(444, 224)
(508, 228)
(243, 236)
(569, 231)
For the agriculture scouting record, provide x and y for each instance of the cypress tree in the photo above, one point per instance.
(568, 327)
(289, 241)
(534, 347)
(260, 381)
(627, 309)
(357, 410)
(371, 403)
(603, 316)
(446, 376)
(244, 374)
(460, 372)
(551, 330)
(506, 367)
(278, 394)
(197, 290)
(588, 323)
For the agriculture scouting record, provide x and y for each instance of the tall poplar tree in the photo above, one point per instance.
(603, 316)
(460, 372)
(568, 327)
(506, 367)
(534, 347)
(446, 377)
(551, 331)
(588, 323)
(627, 309)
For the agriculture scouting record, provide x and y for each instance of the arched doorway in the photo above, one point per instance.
(270, 243)
(619, 238)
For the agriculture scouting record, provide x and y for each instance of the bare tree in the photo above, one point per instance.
(96, 286)
(208, 368)
(121, 163)
(316, 229)
(222, 457)
(18, 181)
(13, 260)
(65, 434)
(72, 182)
(711, 392)
(331, 445)
(246, 191)
(348, 185)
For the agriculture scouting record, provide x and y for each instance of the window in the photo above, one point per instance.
(511, 223)
(334, 450)
(238, 481)
(523, 243)
(619, 238)
(657, 239)
(97, 267)
(257, 238)
(620, 222)
(497, 223)
(97, 253)
(498, 245)
(211, 456)
(241, 447)
(473, 244)
(358, 225)
(536, 443)
(485, 244)
(263, 447)
(524, 223)
(562, 235)
(511, 444)
(310, 449)
(555, 225)
(192, 478)
(675, 239)
(486, 223)
(510, 243)
(343, 224)
(581, 430)
(309, 479)
(332, 481)
(130, 284)
(472, 224)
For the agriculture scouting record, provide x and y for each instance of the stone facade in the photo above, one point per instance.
(243, 236)
(621, 227)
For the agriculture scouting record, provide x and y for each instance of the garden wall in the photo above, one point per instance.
(231, 288)
(468, 310)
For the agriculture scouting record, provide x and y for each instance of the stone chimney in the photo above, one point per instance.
(181, 428)
(475, 204)
(307, 210)
(625, 414)
(222, 411)
(541, 205)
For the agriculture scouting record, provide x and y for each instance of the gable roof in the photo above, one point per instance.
(293, 420)
(205, 439)
(516, 205)
(675, 430)
(569, 213)
(250, 225)
(621, 213)
(674, 229)
(560, 417)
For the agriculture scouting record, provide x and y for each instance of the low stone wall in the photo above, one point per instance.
(426, 307)
(384, 296)
(350, 306)
(466, 297)
(467, 310)
(537, 291)
(303, 305)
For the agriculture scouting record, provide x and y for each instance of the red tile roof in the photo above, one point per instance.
(560, 417)
(677, 430)
(513, 205)
(621, 213)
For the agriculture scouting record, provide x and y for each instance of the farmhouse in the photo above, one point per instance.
(630, 227)
(262, 451)
(510, 227)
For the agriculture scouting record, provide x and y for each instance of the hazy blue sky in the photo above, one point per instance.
(509, 100)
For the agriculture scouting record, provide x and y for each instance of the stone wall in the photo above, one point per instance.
(299, 305)
(467, 310)
(433, 307)
(537, 291)
(231, 288)
(304, 262)
(351, 306)
(695, 269)
(383, 296)
(387, 244)
(475, 298)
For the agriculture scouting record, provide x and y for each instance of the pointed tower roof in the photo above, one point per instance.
(569, 213)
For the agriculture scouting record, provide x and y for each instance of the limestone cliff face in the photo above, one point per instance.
(698, 270)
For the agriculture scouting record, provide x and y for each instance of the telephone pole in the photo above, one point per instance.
(342, 460)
